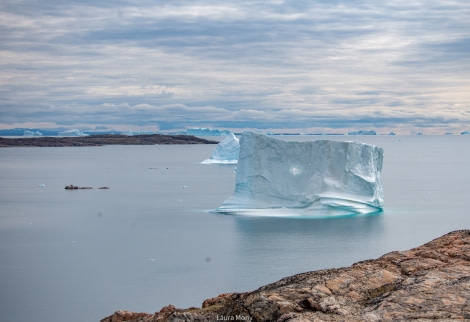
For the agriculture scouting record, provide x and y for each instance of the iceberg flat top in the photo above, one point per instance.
(314, 178)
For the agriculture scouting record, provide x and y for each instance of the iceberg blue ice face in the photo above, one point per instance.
(307, 178)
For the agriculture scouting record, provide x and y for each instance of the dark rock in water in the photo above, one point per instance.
(430, 282)
(72, 187)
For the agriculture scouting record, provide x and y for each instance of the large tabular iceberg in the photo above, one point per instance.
(226, 151)
(314, 178)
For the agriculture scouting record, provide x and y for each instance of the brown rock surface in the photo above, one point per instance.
(430, 282)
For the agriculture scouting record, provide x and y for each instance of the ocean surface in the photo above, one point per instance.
(152, 239)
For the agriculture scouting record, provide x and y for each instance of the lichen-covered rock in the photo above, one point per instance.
(430, 282)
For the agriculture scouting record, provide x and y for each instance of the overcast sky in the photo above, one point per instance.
(319, 66)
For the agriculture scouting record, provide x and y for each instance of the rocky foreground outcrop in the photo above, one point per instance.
(430, 282)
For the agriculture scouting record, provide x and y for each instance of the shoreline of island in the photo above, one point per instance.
(102, 139)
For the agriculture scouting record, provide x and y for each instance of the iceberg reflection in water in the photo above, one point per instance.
(307, 179)
(337, 208)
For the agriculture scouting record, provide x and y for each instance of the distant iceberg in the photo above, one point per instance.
(226, 151)
(30, 133)
(201, 131)
(73, 132)
(362, 132)
(308, 179)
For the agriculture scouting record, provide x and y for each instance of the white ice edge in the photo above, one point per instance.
(212, 161)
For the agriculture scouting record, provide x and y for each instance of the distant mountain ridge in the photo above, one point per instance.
(46, 132)
(36, 132)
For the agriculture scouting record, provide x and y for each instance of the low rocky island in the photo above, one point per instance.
(430, 282)
(105, 139)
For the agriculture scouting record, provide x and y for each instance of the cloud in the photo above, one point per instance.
(266, 64)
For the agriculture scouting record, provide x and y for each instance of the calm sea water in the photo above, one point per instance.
(151, 239)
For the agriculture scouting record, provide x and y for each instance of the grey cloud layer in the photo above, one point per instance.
(275, 64)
